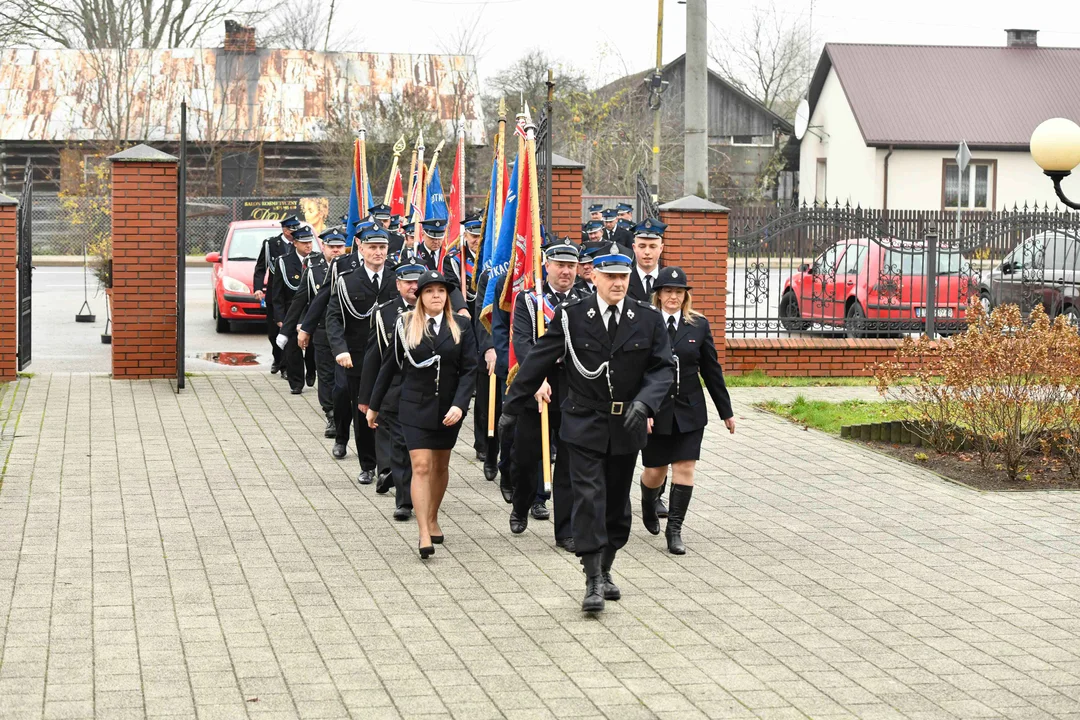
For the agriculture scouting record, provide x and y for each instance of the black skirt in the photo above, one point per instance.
(662, 450)
(444, 438)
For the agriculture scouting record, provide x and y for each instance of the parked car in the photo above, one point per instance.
(869, 287)
(1041, 269)
(232, 270)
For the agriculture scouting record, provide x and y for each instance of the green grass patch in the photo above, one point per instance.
(757, 378)
(830, 416)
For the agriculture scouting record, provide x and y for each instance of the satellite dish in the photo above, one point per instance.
(802, 119)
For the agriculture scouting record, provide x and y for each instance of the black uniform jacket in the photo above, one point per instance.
(352, 303)
(622, 236)
(636, 289)
(272, 249)
(380, 338)
(285, 281)
(525, 331)
(685, 401)
(316, 274)
(428, 393)
(640, 368)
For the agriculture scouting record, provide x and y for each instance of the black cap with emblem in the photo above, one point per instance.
(431, 277)
(672, 277)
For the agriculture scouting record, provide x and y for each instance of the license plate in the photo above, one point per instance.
(938, 312)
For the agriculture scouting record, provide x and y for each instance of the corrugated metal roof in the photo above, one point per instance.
(274, 95)
(936, 96)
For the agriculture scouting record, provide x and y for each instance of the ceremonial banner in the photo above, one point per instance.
(356, 213)
(397, 196)
(503, 248)
(522, 275)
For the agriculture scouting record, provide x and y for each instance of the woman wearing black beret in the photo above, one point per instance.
(679, 426)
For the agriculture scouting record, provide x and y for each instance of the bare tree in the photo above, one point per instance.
(771, 59)
(120, 23)
(465, 41)
(307, 25)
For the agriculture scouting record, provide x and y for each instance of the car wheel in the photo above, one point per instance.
(1072, 316)
(855, 321)
(984, 300)
(221, 324)
(789, 313)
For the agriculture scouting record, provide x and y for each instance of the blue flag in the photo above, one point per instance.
(504, 246)
(435, 207)
(355, 215)
(487, 242)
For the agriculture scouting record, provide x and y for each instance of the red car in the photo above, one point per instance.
(233, 269)
(870, 287)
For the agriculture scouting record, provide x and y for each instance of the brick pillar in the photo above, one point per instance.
(566, 184)
(697, 241)
(144, 263)
(9, 290)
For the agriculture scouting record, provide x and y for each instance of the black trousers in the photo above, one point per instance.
(272, 330)
(481, 441)
(324, 366)
(529, 470)
(347, 412)
(399, 463)
(298, 363)
(600, 484)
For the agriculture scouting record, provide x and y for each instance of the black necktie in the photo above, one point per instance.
(612, 324)
(671, 328)
(375, 282)
(431, 326)
(648, 284)
(559, 297)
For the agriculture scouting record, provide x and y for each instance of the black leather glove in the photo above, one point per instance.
(636, 417)
(506, 424)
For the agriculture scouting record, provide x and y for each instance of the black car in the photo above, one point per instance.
(1042, 269)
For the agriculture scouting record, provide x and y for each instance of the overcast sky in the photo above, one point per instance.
(603, 37)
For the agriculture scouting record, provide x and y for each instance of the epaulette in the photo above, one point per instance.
(642, 303)
(346, 264)
(389, 302)
(570, 302)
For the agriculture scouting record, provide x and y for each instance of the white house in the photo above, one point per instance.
(886, 121)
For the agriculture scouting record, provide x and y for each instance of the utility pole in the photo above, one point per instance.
(695, 97)
(656, 88)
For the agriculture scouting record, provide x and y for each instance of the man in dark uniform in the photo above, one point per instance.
(610, 219)
(618, 370)
(429, 254)
(272, 249)
(362, 282)
(592, 231)
(500, 341)
(287, 281)
(648, 247)
(623, 232)
(381, 214)
(560, 262)
(625, 211)
(498, 448)
(596, 211)
(307, 318)
(389, 438)
(397, 237)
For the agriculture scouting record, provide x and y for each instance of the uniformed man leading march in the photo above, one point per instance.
(618, 369)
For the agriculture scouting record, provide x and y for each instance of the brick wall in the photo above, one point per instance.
(239, 39)
(696, 240)
(814, 357)
(566, 183)
(144, 267)
(9, 291)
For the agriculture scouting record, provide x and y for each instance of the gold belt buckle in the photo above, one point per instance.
(616, 408)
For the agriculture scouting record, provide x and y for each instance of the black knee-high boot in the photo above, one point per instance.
(680, 500)
(649, 518)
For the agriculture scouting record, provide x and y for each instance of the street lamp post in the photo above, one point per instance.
(1055, 147)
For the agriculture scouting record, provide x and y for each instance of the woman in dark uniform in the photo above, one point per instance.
(435, 351)
(679, 425)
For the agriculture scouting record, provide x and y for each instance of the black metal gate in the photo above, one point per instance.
(837, 270)
(543, 155)
(646, 208)
(26, 270)
(181, 247)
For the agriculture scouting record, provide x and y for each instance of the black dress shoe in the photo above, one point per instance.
(437, 539)
(507, 493)
(274, 368)
(366, 477)
(566, 544)
(384, 483)
(402, 514)
(426, 552)
(297, 391)
(311, 380)
(339, 451)
(481, 456)
(518, 524)
(539, 511)
(490, 471)
(331, 429)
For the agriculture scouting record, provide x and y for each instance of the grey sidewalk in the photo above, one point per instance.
(203, 554)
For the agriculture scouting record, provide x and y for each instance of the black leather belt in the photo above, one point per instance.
(609, 407)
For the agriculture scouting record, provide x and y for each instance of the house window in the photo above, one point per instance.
(752, 140)
(820, 192)
(974, 191)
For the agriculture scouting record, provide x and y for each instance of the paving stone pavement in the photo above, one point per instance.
(203, 555)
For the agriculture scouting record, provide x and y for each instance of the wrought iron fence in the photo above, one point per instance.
(645, 206)
(837, 270)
